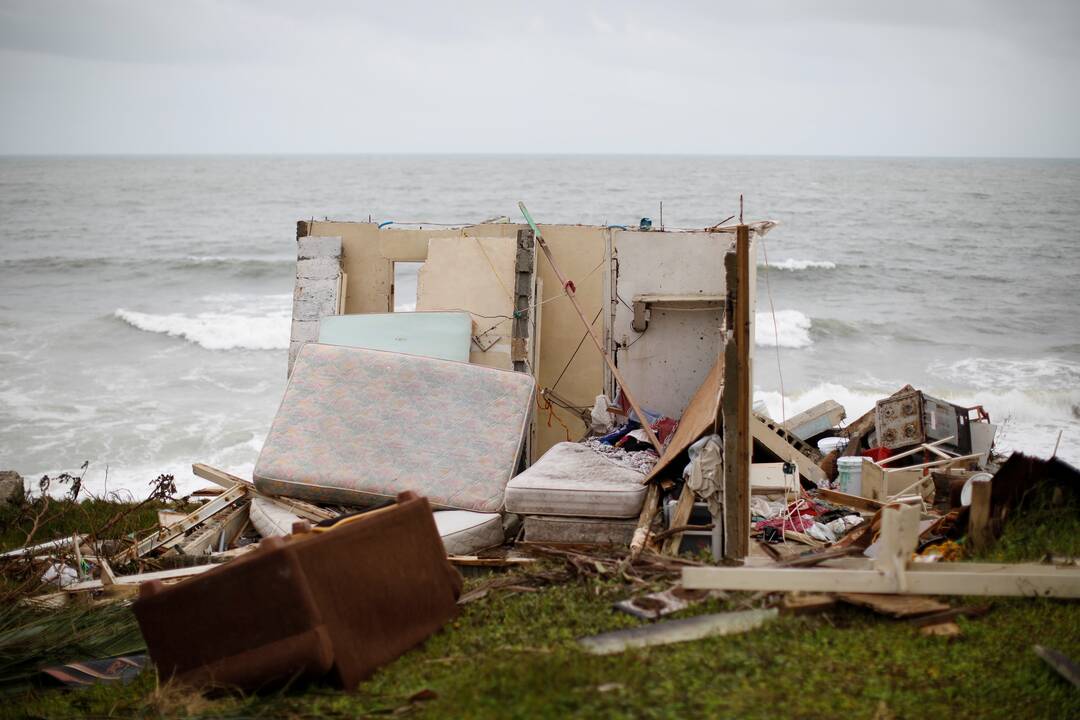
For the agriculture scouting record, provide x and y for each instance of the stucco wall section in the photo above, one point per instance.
(667, 363)
(476, 275)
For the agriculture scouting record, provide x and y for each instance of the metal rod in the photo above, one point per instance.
(569, 288)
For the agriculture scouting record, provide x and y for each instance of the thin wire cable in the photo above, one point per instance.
(776, 332)
(493, 270)
(583, 339)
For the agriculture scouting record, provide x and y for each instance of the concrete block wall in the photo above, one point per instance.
(317, 291)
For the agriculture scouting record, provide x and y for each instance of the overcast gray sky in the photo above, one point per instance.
(851, 77)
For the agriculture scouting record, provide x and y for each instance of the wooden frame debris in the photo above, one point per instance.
(892, 572)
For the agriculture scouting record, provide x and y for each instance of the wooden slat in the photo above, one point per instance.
(201, 515)
(679, 518)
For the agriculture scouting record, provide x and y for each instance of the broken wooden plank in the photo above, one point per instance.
(699, 418)
(50, 545)
(852, 501)
(676, 631)
(175, 574)
(177, 530)
(305, 510)
(679, 518)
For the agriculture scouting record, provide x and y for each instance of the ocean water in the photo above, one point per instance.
(145, 302)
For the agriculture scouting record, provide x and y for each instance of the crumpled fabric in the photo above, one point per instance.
(705, 472)
(600, 419)
(765, 509)
(642, 461)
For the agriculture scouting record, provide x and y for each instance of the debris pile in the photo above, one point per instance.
(403, 448)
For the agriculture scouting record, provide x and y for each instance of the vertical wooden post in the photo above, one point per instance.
(736, 405)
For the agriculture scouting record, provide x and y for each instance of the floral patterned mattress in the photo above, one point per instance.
(358, 426)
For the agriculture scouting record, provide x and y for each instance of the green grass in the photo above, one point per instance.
(64, 518)
(514, 655)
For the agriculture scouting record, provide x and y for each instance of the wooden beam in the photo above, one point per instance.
(966, 579)
(737, 402)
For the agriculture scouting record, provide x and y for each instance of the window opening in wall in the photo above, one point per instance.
(404, 290)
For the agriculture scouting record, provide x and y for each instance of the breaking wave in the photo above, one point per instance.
(792, 329)
(1039, 374)
(250, 323)
(793, 265)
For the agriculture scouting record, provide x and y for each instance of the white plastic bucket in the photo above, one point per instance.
(827, 445)
(850, 478)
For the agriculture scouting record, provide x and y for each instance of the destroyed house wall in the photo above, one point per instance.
(664, 363)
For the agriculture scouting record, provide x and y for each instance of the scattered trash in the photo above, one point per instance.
(94, 672)
(873, 513)
(658, 604)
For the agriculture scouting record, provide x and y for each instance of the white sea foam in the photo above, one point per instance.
(1046, 373)
(793, 265)
(244, 322)
(792, 329)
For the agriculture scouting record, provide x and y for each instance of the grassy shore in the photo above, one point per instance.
(513, 654)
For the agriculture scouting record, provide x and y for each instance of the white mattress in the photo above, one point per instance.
(466, 533)
(269, 518)
(462, 532)
(359, 426)
(572, 480)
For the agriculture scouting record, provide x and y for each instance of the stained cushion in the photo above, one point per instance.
(573, 480)
(358, 426)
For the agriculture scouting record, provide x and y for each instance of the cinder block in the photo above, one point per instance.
(318, 247)
(318, 268)
(305, 331)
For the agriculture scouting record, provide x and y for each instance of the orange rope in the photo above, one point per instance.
(551, 414)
